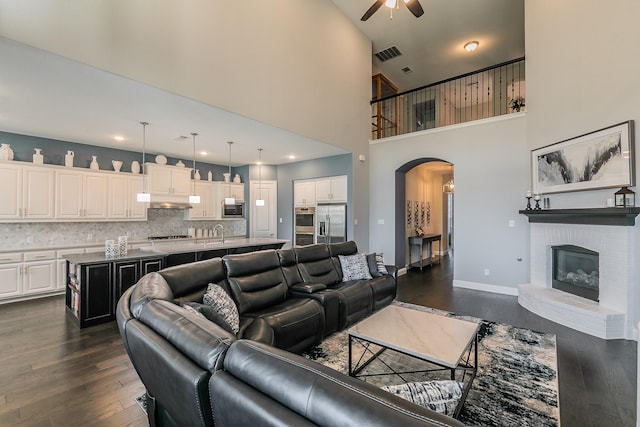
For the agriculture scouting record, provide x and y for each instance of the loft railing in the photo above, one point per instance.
(489, 92)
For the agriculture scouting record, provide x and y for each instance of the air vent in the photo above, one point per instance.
(387, 54)
(406, 70)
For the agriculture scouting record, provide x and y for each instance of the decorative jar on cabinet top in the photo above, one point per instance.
(6, 153)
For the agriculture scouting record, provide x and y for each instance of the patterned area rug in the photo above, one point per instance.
(516, 383)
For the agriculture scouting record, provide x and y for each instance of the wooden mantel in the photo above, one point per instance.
(593, 216)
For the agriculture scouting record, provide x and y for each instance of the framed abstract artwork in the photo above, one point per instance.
(599, 159)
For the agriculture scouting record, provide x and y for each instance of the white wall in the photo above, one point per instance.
(490, 161)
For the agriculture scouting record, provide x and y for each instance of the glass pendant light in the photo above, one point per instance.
(144, 197)
(194, 198)
(259, 200)
(229, 200)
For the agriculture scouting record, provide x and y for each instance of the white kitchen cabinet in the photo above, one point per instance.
(231, 189)
(28, 192)
(168, 180)
(331, 189)
(304, 193)
(207, 208)
(81, 195)
(39, 272)
(10, 274)
(123, 204)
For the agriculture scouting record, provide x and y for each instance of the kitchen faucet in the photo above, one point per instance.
(221, 228)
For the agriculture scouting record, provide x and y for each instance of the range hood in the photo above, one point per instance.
(169, 205)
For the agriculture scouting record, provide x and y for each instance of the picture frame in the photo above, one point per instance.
(599, 159)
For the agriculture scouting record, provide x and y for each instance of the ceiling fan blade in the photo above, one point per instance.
(374, 7)
(415, 7)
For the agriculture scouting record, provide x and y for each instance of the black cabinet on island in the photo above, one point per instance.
(95, 282)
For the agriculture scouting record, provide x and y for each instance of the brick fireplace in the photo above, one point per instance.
(615, 311)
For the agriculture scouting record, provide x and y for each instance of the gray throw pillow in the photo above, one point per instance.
(221, 302)
(209, 313)
(354, 267)
(380, 263)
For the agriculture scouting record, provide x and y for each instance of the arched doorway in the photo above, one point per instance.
(423, 198)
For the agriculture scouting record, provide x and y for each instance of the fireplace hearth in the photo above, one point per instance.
(576, 270)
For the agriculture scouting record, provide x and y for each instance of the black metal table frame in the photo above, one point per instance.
(464, 364)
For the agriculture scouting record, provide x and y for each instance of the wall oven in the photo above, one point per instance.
(304, 226)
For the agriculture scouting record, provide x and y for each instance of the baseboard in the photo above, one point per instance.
(402, 271)
(485, 287)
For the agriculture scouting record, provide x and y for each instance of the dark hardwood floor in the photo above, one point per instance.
(54, 374)
(597, 378)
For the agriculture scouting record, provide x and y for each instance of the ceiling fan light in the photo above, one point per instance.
(471, 46)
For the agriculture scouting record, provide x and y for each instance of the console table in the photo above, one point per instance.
(423, 242)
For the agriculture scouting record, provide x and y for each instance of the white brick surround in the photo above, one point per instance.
(613, 316)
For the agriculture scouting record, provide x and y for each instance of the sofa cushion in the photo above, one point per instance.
(224, 311)
(354, 267)
(316, 265)
(192, 278)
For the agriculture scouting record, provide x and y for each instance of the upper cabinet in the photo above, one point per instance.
(168, 180)
(207, 208)
(304, 193)
(28, 192)
(123, 204)
(331, 189)
(81, 195)
(231, 189)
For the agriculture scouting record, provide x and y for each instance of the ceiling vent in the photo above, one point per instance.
(387, 54)
(407, 70)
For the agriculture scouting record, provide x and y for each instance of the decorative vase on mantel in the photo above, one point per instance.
(6, 153)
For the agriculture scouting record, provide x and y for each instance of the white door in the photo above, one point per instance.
(263, 218)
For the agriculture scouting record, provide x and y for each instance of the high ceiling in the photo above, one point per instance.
(42, 94)
(432, 45)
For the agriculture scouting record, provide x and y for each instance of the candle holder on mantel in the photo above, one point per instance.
(528, 203)
(537, 199)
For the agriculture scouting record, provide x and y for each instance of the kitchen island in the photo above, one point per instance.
(96, 282)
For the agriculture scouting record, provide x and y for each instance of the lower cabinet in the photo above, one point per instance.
(93, 289)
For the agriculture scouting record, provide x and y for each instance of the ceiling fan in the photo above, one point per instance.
(413, 6)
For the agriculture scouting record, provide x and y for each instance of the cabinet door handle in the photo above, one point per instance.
(40, 256)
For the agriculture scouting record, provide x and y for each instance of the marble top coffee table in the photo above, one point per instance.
(443, 341)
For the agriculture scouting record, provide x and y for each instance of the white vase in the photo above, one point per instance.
(6, 153)
(209, 176)
(227, 177)
(236, 179)
(117, 164)
(135, 167)
(38, 159)
(196, 176)
(68, 159)
(94, 163)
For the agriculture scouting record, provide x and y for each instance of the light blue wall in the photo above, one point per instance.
(318, 168)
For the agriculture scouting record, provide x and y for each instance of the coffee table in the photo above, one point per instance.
(443, 341)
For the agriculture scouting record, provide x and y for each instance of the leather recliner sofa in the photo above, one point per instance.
(177, 353)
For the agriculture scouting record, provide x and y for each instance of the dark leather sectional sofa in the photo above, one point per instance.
(196, 373)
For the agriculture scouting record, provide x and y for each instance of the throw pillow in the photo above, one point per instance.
(439, 396)
(210, 314)
(221, 302)
(354, 267)
(380, 263)
(373, 268)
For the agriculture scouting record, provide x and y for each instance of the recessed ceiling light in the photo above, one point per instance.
(119, 138)
(291, 157)
(203, 153)
(471, 46)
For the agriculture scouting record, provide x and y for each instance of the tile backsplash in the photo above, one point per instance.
(159, 222)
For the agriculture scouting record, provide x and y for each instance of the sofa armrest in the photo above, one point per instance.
(308, 288)
(393, 271)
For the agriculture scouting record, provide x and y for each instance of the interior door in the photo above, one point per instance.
(263, 218)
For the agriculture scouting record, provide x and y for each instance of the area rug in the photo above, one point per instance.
(516, 383)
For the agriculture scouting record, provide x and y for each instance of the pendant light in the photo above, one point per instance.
(259, 200)
(229, 200)
(144, 197)
(194, 198)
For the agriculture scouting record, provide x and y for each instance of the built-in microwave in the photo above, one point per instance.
(234, 210)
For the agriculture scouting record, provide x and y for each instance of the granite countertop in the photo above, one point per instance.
(173, 247)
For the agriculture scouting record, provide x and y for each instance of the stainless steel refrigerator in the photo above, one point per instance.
(331, 223)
